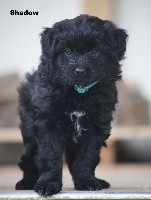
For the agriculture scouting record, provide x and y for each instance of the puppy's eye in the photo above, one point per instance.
(61, 60)
(68, 52)
(95, 52)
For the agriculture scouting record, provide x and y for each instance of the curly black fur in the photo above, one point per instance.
(55, 118)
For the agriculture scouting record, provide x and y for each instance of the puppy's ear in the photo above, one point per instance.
(46, 41)
(117, 39)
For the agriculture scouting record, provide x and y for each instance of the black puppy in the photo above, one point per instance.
(67, 104)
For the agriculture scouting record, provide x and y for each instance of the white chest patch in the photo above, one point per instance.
(76, 117)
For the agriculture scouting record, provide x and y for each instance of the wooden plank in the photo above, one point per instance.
(118, 133)
(127, 132)
(100, 8)
(8, 85)
(10, 135)
(119, 176)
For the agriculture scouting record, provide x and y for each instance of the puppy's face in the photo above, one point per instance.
(80, 59)
(85, 50)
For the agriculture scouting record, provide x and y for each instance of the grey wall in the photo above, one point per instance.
(135, 16)
(19, 39)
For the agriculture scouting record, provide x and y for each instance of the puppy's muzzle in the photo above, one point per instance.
(80, 72)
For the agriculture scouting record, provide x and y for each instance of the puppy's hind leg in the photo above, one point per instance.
(27, 165)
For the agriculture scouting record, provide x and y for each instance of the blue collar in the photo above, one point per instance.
(82, 90)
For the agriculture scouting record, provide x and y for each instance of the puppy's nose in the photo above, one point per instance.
(80, 72)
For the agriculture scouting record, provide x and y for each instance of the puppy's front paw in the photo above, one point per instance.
(25, 184)
(90, 184)
(48, 188)
(104, 183)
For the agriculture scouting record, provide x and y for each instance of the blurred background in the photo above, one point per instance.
(126, 163)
